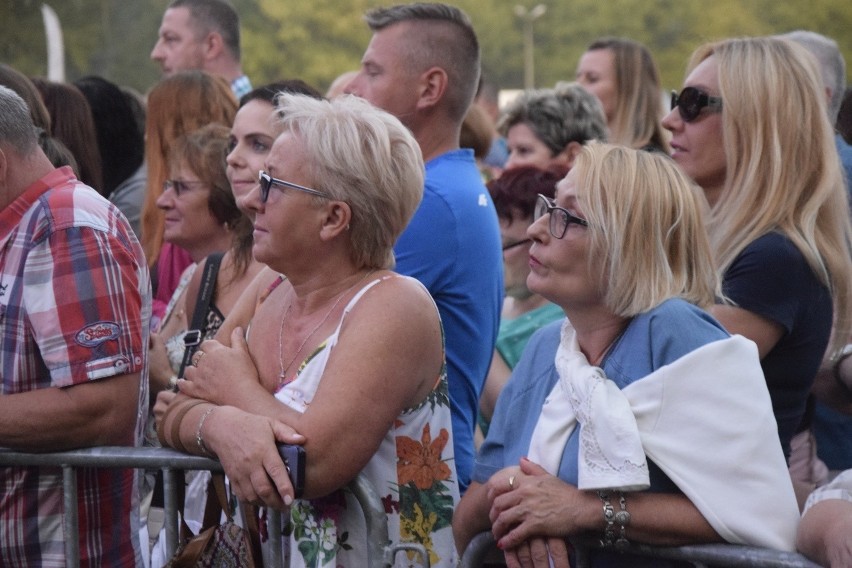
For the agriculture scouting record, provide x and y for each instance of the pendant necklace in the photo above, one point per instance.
(284, 369)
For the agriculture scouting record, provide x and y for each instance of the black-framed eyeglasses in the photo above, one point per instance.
(560, 218)
(266, 181)
(516, 244)
(691, 100)
(181, 186)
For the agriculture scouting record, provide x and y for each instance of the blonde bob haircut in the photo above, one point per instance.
(772, 92)
(645, 225)
(364, 157)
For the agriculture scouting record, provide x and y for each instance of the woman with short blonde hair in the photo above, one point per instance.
(639, 401)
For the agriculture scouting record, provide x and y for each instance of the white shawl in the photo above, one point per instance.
(706, 420)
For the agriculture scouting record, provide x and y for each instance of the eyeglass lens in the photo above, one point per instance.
(265, 181)
(558, 222)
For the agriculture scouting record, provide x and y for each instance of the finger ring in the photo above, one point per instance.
(197, 357)
(511, 482)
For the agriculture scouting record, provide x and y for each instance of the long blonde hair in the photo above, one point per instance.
(775, 180)
(639, 103)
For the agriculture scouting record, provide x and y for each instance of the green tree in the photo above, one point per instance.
(316, 41)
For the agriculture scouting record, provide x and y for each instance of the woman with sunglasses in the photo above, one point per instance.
(623, 421)
(337, 348)
(778, 221)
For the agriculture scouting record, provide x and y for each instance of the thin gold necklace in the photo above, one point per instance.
(283, 374)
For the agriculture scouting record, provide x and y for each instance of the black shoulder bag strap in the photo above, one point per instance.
(194, 334)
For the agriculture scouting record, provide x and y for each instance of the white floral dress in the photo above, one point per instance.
(412, 471)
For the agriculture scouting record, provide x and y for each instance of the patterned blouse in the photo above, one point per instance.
(412, 471)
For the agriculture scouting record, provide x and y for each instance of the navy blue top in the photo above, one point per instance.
(772, 279)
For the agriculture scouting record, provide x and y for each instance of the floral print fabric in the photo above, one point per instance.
(412, 471)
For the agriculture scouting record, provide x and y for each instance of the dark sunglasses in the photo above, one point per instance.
(690, 101)
(266, 181)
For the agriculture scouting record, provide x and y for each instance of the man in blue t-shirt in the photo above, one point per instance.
(422, 66)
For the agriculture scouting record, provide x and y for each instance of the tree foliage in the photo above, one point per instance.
(318, 40)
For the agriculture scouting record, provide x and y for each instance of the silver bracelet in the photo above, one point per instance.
(611, 517)
(199, 439)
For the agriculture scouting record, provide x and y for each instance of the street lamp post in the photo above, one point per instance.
(528, 17)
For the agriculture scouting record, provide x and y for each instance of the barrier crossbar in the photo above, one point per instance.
(701, 556)
(171, 462)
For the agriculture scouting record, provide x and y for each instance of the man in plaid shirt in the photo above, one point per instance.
(75, 306)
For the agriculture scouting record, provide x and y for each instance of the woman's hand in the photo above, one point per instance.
(538, 505)
(245, 444)
(538, 553)
(159, 367)
(221, 374)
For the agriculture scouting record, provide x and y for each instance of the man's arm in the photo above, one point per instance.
(95, 413)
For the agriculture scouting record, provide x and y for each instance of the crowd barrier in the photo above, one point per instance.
(483, 547)
(171, 462)
(379, 552)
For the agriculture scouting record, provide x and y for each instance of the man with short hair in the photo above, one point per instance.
(203, 35)
(75, 306)
(422, 65)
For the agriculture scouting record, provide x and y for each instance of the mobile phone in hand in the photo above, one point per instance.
(294, 460)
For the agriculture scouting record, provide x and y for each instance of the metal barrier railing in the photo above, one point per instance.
(700, 556)
(171, 462)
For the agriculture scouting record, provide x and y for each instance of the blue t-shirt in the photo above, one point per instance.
(651, 340)
(452, 246)
(772, 279)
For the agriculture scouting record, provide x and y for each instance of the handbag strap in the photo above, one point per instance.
(193, 336)
(217, 502)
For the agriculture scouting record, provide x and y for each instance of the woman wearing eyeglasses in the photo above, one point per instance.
(200, 216)
(176, 105)
(337, 347)
(778, 221)
(631, 419)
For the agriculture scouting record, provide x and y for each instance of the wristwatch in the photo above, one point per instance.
(835, 367)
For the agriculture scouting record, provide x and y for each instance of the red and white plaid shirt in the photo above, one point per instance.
(75, 306)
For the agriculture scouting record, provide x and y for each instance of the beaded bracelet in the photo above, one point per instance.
(199, 439)
(611, 517)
